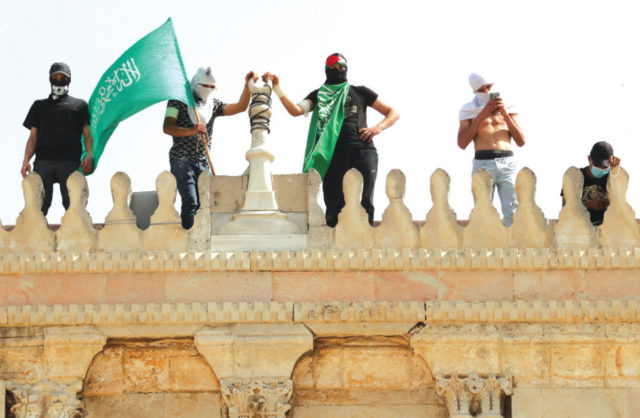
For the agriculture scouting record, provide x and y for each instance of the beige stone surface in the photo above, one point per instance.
(353, 229)
(201, 231)
(530, 228)
(227, 192)
(76, 233)
(154, 405)
(120, 232)
(441, 229)
(485, 229)
(4, 239)
(562, 403)
(619, 228)
(253, 350)
(574, 229)
(373, 411)
(165, 231)
(397, 229)
(31, 233)
(291, 192)
(315, 202)
(68, 351)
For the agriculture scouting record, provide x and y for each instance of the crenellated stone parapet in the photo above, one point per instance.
(222, 197)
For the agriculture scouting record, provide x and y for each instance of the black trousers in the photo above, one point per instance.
(54, 172)
(365, 160)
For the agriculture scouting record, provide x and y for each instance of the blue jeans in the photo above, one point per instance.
(186, 173)
(503, 173)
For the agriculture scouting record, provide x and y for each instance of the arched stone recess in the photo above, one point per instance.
(144, 378)
(364, 376)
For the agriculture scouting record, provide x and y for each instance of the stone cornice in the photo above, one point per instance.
(323, 260)
(310, 312)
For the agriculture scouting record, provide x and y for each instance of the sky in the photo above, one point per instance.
(570, 67)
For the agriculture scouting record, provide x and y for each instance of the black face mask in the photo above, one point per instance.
(335, 76)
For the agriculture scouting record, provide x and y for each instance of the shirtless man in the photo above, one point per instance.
(490, 125)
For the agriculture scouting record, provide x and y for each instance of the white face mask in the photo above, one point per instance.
(202, 92)
(58, 91)
(483, 98)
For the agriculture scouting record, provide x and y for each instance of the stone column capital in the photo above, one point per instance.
(69, 351)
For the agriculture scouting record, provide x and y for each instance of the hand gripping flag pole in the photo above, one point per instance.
(205, 139)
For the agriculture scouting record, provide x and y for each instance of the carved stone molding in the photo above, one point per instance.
(473, 393)
(46, 399)
(249, 351)
(256, 398)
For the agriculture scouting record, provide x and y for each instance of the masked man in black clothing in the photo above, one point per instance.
(595, 196)
(339, 138)
(56, 125)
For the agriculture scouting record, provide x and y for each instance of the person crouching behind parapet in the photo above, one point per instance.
(339, 138)
(595, 196)
(490, 125)
(188, 156)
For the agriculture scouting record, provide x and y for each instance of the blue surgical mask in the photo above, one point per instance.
(599, 172)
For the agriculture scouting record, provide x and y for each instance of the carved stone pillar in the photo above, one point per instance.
(254, 365)
(462, 394)
(46, 399)
(258, 398)
(456, 396)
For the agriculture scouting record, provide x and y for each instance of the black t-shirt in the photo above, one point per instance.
(593, 188)
(59, 124)
(355, 116)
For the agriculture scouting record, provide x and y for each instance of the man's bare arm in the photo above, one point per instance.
(293, 109)
(243, 102)
(170, 127)
(390, 117)
(29, 150)
(87, 163)
(514, 128)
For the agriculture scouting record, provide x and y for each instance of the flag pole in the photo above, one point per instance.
(205, 138)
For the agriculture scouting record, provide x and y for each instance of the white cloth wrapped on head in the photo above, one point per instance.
(204, 104)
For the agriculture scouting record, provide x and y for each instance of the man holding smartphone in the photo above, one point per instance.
(490, 125)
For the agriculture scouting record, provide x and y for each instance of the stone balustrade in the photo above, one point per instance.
(299, 194)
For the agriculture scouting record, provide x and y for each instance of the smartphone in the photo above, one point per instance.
(493, 96)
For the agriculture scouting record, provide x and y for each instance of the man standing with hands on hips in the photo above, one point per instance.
(339, 138)
(490, 125)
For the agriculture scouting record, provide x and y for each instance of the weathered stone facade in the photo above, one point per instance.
(404, 319)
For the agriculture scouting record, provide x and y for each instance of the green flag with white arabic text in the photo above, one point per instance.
(147, 73)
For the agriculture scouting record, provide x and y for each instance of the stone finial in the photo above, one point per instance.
(353, 229)
(120, 232)
(574, 229)
(530, 229)
(397, 229)
(485, 229)
(441, 229)
(31, 233)
(165, 231)
(257, 398)
(619, 228)
(200, 232)
(76, 233)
